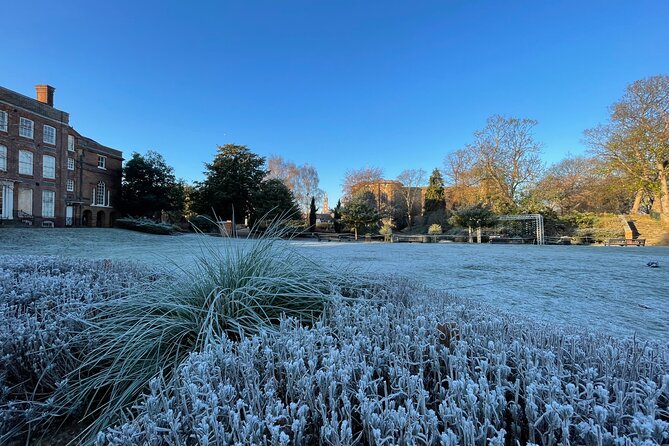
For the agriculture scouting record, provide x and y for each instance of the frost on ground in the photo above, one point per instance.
(409, 366)
(412, 367)
(42, 300)
(609, 289)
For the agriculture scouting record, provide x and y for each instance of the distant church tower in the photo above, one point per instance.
(326, 209)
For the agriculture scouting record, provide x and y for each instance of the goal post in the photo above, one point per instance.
(537, 219)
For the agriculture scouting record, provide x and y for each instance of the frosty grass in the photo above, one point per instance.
(411, 366)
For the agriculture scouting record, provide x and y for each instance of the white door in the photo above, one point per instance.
(69, 214)
(7, 202)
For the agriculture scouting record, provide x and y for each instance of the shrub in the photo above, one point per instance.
(386, 231)
(233, 291)
(204, 223)
(144, 225)
(42, 306)
(434, 229)
(438, 371)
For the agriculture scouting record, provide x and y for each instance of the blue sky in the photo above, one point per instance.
(338, 84)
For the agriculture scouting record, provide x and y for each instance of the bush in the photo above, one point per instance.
(386, 231)
(434, 229)
(204, 223)
(42, 307)
(144, 225)
(438, 371)
(233, 291)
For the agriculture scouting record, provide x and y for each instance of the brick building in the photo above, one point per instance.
(50, 175)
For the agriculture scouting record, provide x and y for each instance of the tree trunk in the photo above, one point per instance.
(664, 192)
(471, 240)
(478, 235)
(637, 202)
(355, 231)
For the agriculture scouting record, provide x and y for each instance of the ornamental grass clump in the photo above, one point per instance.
(232, 289)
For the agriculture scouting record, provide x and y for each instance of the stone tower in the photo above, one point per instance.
(326, 208)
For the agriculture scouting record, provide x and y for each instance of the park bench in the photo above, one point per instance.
(329, 237)
(625, 242)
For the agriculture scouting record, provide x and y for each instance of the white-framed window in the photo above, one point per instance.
(70, 164)
(26, 128)
(49, 135)
(48, 203)
(102, 162)
(3, 158)
(48, 166)
(100, 192)
(3, 121)
(70, 185)
(70, 143)
(25, 162)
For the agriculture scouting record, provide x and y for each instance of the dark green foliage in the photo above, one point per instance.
(478, 215)
(233, 178)
(312, 214)
(149, 187)
(145, 225)
(274, 200)
(435, 199)
(360, 211)
(337, 217)
(204, 223)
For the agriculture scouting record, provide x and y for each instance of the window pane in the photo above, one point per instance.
(70, 185)
(48, 166)
(100, 194)
(25, 162)
(26, 127)
(49, 134)
(3, 158)
(70, 143)
(48, 203)
(70, 164)
(3, 121)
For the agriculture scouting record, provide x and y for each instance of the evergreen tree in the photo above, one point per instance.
(360, 211)
(337, 217)
(312, 215)
(274, 200)
(478, 215)
(233, 178)
(434, 194)
(149, 187)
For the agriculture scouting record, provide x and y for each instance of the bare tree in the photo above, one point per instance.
(461, 178)
(411, 180)
(305, 186)
(281, 169)
(356, 177)
(506, 157)
(302, 180)
(636, 139)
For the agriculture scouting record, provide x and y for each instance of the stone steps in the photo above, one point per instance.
(656, 232)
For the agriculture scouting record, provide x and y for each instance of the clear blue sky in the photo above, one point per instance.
(338, 84)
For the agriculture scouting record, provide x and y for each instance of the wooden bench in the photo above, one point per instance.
(625, 242)
(329, 237)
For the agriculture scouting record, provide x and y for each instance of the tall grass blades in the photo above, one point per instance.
(234, 289)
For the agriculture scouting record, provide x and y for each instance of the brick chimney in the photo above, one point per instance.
(45, 94)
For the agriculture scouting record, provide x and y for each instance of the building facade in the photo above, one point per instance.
(51, 175)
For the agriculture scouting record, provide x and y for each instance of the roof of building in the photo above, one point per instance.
(95, 146)
(33, 105)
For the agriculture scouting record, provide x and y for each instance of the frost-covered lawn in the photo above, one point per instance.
(383, 363)
(605, 288)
